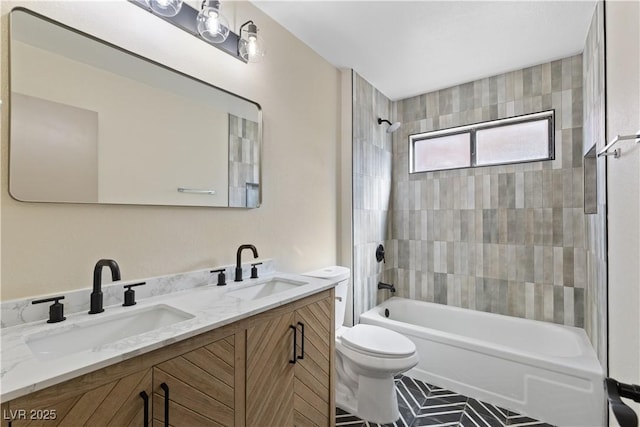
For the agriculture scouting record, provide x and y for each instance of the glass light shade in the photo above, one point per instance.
(212, 26)
(166, 8)
(251, 47)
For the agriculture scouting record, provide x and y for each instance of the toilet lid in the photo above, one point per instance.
(377, 340)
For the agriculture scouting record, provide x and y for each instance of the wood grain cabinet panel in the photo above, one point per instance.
(281, 393)
(269, 373)
(312, 394)
(116, 403)
(201, 387)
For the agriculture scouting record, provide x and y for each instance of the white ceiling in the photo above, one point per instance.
(406, 48)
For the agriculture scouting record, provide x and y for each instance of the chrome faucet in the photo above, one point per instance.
(239, 262)
(386, 286)
(96, 295)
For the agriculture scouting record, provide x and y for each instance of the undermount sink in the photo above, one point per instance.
(265, 289)
(103, 330)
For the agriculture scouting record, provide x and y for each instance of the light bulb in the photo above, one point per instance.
(212, 26)
(251, 48)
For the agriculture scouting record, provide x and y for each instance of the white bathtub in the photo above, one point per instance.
(545, 371)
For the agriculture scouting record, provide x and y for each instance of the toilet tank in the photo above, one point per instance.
(340, 275)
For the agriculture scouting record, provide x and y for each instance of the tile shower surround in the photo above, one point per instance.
(505, 239)
(372, 160)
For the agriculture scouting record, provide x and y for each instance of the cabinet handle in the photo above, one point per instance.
(295, 339)
(145, 399)
(165, 387)
(302, 341)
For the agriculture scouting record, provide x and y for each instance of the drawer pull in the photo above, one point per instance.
(145, 399)
(295, 344)
(165, 387)
(301, 357)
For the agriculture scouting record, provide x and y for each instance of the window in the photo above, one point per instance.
(514, 140)
(443, 152)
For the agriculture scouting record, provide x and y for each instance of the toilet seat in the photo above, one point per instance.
(370, 364)
(377, 341)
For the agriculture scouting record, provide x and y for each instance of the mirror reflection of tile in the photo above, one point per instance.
(253, 195)
(244, 160)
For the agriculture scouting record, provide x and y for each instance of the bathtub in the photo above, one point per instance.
(544, 371)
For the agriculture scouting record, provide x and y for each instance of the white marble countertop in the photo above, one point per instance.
(21, 372)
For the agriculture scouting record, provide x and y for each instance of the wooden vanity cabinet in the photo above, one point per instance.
(114, 403)
(236, 375)
(287, 387)
(112, 396)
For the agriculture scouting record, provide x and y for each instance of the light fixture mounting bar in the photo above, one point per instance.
(186, 21)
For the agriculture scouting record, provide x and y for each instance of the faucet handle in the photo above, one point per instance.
(130, 294)
(222, 279)
(56, 310)
(254, 270)
(380, 257)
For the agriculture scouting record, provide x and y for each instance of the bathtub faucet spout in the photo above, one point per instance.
(386, 286)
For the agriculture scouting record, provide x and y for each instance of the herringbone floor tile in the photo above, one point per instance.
(423, 404)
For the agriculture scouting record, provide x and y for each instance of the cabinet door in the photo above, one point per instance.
(269, 374)
(312, 385)
(117, 403)
(200, 386)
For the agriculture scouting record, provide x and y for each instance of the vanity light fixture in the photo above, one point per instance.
(207, 24)
(212, 25)
(250, 46)
(166, 8)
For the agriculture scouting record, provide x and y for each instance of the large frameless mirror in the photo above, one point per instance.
(93, 123)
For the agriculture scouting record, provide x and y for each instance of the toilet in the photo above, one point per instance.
(367, 359)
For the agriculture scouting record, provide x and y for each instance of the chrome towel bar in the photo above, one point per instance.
(616, 152)
(196, 191)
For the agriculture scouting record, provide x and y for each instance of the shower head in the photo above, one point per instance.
(392, 126)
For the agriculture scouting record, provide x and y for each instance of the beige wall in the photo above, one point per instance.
(50, 248)
(623, 187)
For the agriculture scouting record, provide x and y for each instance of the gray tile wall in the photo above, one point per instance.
(505, 239)
(372, 160)
(244, 158)
(596, 224)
